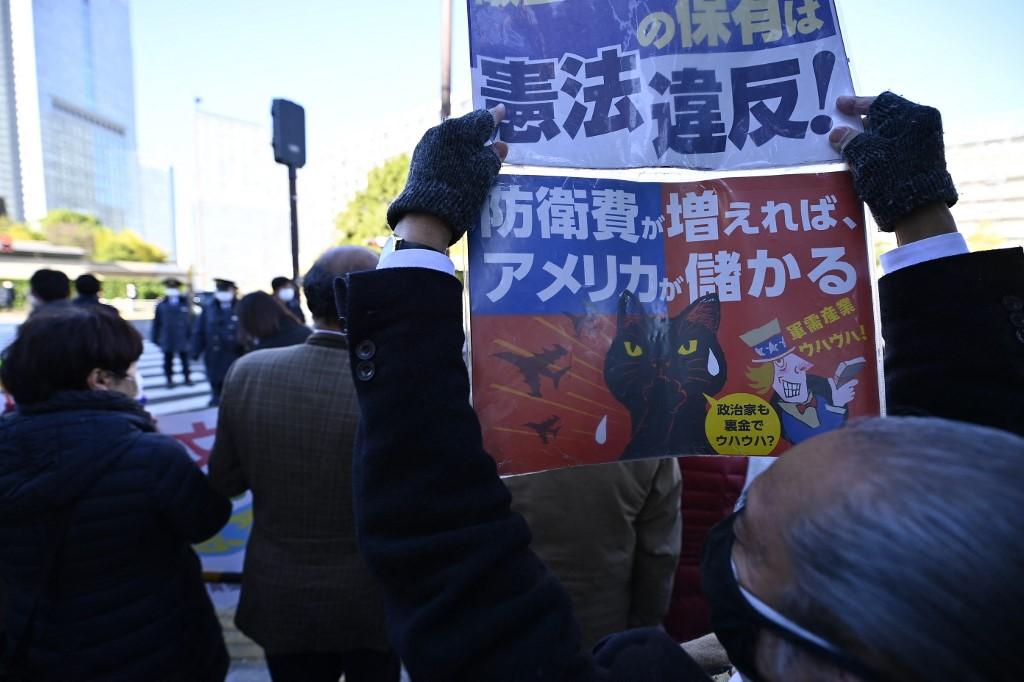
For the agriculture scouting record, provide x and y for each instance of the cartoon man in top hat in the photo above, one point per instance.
(807, 404)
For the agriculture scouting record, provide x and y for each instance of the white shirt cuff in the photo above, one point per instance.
(417, 258)
(940, 246)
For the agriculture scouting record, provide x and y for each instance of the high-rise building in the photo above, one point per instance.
(10, 164)
(241, 226)
(157, 194)
(72, 64)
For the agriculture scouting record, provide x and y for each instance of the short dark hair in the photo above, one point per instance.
(50, 285)
(280, 282)
(261, 315)
(56, 352)
(87, 285)
(318, 284)
(318, 287)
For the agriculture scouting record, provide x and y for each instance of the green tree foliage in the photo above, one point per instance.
(19, 231)
(69, 228)
(124, 245)
(365, 217)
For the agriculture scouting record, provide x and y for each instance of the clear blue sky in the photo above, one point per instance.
(348, 60)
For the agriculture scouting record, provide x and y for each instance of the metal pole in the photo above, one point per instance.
(446, 59)
(295, 224)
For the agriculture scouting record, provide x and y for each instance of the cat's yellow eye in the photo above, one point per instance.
(688, 348)
(633, 350)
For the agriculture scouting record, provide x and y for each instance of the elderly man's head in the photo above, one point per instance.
(318, 284)
(890, 550)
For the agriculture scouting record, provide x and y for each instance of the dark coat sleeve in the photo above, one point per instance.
(199, 335)
(466, 598)
(954, 338)
(182, 494)
(226, 474)
(157, 321)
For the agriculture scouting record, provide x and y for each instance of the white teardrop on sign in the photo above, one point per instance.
(601, 434)
(713, 368)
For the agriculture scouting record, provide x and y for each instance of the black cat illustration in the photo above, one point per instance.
(660, 370)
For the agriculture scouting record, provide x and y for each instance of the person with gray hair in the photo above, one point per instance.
(876, 553)
(285, 431)
(889, 550)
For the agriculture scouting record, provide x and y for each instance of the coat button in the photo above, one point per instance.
(365, 349)
(365, 370)
(1013, 303)
(1017, 319)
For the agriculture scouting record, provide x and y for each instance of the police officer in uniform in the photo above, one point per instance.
(286, 292)
(216, 336)
(172, 329)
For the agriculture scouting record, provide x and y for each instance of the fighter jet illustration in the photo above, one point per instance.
(546, 428)
(538, 365)
(577, 322)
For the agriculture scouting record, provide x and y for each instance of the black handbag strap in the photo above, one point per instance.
(23, 644)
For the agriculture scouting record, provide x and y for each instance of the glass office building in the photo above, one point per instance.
(10, 165)
(76, 108)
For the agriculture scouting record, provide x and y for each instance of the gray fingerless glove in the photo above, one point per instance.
(898, 162)
(451, 173)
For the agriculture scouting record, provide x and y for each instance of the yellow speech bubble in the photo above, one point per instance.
(742, 424)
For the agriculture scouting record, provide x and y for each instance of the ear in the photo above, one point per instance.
(631, 311)
(705, 311)
(96, 381)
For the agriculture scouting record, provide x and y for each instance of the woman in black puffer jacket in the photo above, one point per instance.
(125, 599)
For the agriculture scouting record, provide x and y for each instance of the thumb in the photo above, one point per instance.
(842, 136)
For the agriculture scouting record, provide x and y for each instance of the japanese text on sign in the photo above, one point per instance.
(699, 83)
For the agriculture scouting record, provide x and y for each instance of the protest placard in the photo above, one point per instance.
(224, 553)
(704, 84)
(618, 320)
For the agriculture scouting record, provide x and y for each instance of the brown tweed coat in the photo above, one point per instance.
(286, 429)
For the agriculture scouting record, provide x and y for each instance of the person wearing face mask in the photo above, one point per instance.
(172, 330)
(98, 513)
(215, 336)
(285, 291)
(887, 550)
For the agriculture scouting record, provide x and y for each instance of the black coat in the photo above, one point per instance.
(216, 338)
(172, 325)
(295, 308)
(466, 598)
(954, 339)
(83, 301)
(127, 601)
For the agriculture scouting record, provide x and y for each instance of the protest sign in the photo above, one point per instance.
(704, 84)
(224, 552)
(618, 320)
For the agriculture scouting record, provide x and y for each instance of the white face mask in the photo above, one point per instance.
(223, 296)
(287, 294)
(173, 293)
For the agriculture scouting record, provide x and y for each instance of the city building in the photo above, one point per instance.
(986, 159)
(75, 103)
(240, 216)
(157, 196)
(10, 163)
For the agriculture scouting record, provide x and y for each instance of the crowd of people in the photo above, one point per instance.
(382, 536)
